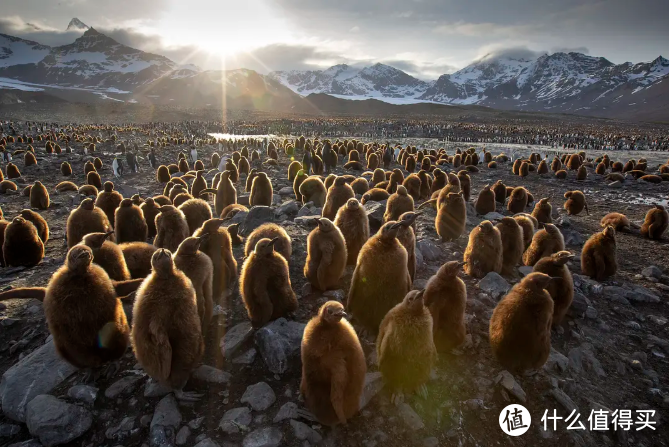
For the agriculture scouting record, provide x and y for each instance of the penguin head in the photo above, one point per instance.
(161, 261)
(325, 225)
(108, 187)
(211, 226)
(265, 246)
(562, 257)
(389, 230)
(401, 191)
(450, 269)
(332, 312)
(609, 232)
(340, 181)
(536, 281)
(233, 229)
(408, 218)
(79, 256)
(352, 204)
(126, 203)
(189, 246)
(414, 299)
(486, 226)
(87, 204)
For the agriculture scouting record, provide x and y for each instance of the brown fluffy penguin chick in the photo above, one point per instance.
(283, 244)
(412, 184)
(360, 185)
(231, 211)
(313, 190)
(235, 238)
(465, 184)
(218, 247)
(545, 242)
(138, 258)
(199, 184)
(108, 200)
(40, 223)
(499, 189)
(265, 285)
(561, 291)
(598, 257)
(486, 201)
(617, 220)
(375, 195)
(39, 196)
(353, 223)
(655, 223)
(520, 327)
(337, 196)
(407, 238)
(87, 218)
(517, 200)
(29, 159)
(381, 278)
(513, 245)
(261, 191)
(171, 228)
(326, 255)
(446, 298)
(451, 217)
(197, 212)
(107, 255)
(12, 171)
(484, 252)
(582, 173)
(88, 190)
(22, 245)
(398, 203)
(150, 210)
(333, 366)
(85, 317)
(66, 187)
(130, 224)
(225, 191)
(405, 346)
(527, 225)
(543, 211)
(166, 332)
(575, 203)
(198, 268)
(93, 178)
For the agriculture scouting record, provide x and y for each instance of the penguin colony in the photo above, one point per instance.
(173, 255)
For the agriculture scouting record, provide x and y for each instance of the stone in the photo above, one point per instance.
(156, 389)
(373, 385)
(37, 373)
(246, 358)
(278, 342)
(263, 437)
(564, 400)
(494, 285)
(307, 221)
(616, 294)
(508, 382)
(210, 374)
(431, 442)
(83, 393)
(616, 185)
(166, 419)
(583, 357)
(652, 271)
(642, 295)
(303, 432)
(578, 306)
(28, 443)
(122, 429)
(196, 423)
(591, 313)
(306, 210)
(260, 396)
(126, 190)
(375, 212)
(525, 270)
(556, 361)
(287, 411)
(335, 295)
(238, 218)
(235, 337)
(493, 216)
(410, 417)
(55, 422)
(182, 435)
(429, 250)
(235, 420)
(122, 386)
(9, 430)
(572, 237)
(286, 191)
(257, 216)
(206, 442)
(289, 208)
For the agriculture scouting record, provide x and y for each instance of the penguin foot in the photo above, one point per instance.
(306, 414)
(187, 396)
(397, 398)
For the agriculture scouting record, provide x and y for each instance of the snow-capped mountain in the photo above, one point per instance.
(16, 51)
(77, 25)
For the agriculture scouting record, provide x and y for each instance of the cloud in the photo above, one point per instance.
(583, 50)
(422, 70)
(511, 51)
(484, 29)
(36, 31)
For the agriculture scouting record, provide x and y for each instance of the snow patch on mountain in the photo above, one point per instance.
(16, 51)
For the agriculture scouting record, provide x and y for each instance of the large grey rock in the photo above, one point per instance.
(375, 212)
(506, 380)
(260, 396)
(257, 216)
(583, 358)
(303, 432)
(289, 208)
(206, 442)
(28, 443)
(286, 191)
(56, 422)
(572, 237)
(126, 190)
(307, 221)
(156, 389)
(556, 361)
(287, 411)
(122, 386)
(235, 420)
(410, 417)
(578, 306)
(37, 373)
(493, 216)
(235, 338)
(494, 285)
(238, 218)
(210, 374)
(263, 437)
(373, 385)
(166, 419)
(635, 293)
(83, 393)
(652, 271)
(9, 430)
(278, 342)
(429, 250)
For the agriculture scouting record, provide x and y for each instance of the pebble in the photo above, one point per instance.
(122, 386)
(494, 285)
(263, 437)
(260, 396)
(196, 423)
(210, 374)
(235, 337)
(9, 430)
(235, 420)
(287, 411)
(206, 442)
(410, 417)
(303, 432)
(182, 435)
(56, 422)
(508, 382)
(83, 393)
(246, 358)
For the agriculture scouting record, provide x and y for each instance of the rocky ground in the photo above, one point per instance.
(610, 353)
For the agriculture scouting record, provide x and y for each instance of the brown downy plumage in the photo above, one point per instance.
(197, 212)
(582, 173)
(87, 218)
(137, 257)
(171, 228)
(618, 221)
(265, 285)
(162, 174)
(93, 178)
(484, 252)
(375, 195)
(381, 278)
(412, 185)
(261, 190)
(198, 268)
(598, 257)
(199, 184)
(520, 327)
(218, 247)
(405, 346)
(561, 291)
(446, 298)
(166, 332)
(107, 255)
(499, 189)
(407, 238)
(283, 244)
(150, 210)
(513, 245)
(543, 211)
(225, 193)
(22, 245)
(486, 201)
(398, 203)
(39, 196)
(130, 224)
(575, 203)
(517, 200)
(40, 223)
(655, 223)
(451, 217)
(353, 223)
(108, 200)
(313, 190)
(528, 224)
(337, 196)
(326, 255)
(545, 242)
(333, 366)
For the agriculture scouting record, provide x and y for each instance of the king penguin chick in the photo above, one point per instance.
(218, 247)
(451, 216)
(326, 255)
(138, 258)
(150, 210)
(407, 238)
(598, 257)
(512, 245)
(40, 223)
(108, 200)
(562, 291)
(381, 278)
(520, 326)
(337, 196)
(171, 227)
(446, 298)
(107, 255)
(655, 223)
(39, 196)
(353, 223)
(398, 203)
(198, 268)
(87, 218)
(484, 252)
(405, 347)
(333, 366)
(544, 243)
(261, 190)
(166, 331)
(542, 211)
(130, 224)
(197, 212)
(265, 285)
(283, 245)
(22, 245)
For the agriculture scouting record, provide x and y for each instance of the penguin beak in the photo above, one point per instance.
(272, 242)
(395, 225)
(108, 233)
(340, 313)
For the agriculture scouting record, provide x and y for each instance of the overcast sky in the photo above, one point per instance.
(426, 38)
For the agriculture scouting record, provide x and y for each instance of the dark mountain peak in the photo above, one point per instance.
(76, 24)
